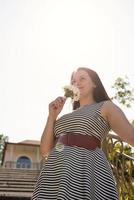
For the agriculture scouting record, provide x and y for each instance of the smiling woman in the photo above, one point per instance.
(76, 167)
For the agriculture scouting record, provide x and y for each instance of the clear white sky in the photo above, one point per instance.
(43, 41)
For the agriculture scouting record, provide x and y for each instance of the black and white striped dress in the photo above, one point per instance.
(75, 173)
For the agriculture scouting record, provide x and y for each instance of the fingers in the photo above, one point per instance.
(58, 102)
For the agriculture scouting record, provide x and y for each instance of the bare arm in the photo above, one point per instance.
(119, 123)
(47, 138)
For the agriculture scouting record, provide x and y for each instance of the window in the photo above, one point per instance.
(23, 162)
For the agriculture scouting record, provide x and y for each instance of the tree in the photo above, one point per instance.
(123, 91)
(119, 154)
(3, 139)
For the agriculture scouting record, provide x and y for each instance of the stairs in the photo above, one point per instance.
(17, 182)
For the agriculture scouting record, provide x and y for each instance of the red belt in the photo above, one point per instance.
(80, 140)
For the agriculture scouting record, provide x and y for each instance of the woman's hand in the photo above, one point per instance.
(47, 138)
(56, 106)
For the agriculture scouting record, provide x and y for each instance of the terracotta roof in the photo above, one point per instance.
(36, 142)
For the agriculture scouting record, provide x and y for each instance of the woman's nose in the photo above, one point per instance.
(77, 83)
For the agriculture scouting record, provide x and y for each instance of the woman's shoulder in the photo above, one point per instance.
(108, 107)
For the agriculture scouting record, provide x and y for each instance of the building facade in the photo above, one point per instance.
(21, 164)
(24, 154)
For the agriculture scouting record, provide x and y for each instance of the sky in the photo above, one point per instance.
(43, 41)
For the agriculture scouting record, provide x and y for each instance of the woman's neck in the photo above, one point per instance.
(86, 101)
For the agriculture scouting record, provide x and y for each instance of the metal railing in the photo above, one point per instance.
(122, 166)
(15, 165)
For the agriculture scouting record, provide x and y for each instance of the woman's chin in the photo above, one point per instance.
(81, 97)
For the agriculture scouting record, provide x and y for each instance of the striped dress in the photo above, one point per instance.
(75, 173)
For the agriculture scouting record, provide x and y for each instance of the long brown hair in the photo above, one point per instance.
(99, 92)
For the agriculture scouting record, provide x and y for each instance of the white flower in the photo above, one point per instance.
(72, 91)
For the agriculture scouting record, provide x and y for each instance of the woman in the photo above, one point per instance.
(76, 167)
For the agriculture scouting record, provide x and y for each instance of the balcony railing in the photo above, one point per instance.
(15, 165)
(122, 166)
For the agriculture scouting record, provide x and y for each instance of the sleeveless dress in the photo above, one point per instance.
(75, 173)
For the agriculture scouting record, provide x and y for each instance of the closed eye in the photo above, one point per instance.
(73, 82)
(82, 78)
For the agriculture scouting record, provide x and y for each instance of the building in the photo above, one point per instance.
(21, 164)
(23, 154)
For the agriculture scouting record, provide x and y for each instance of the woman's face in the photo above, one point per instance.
(82, 80)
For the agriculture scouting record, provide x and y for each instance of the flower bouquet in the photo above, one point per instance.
(72, 92)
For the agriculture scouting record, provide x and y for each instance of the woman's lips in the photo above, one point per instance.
(80, 88)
